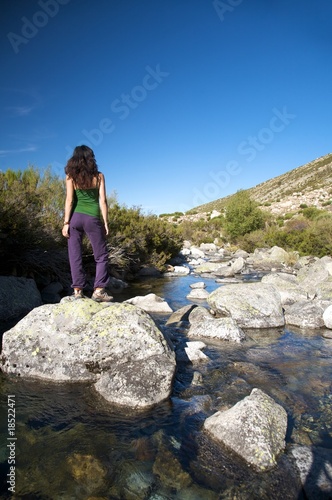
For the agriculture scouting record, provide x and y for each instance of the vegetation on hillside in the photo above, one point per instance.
(243, 224)
(313, 175)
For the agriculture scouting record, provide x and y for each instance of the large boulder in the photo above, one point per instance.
(287, 285)
(18, 296)
(251, 305)
(116, 346)
(309, 277)
(255, 428)
(327, 317)
(269, 257)
(306, 314)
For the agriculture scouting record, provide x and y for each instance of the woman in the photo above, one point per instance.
(86, 213)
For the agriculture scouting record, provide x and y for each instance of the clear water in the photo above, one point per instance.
(71, 444)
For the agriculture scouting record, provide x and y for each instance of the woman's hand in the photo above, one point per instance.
(65, 231)
(106, 228)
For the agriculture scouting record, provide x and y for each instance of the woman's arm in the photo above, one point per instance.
(68, 206)
(103, 201)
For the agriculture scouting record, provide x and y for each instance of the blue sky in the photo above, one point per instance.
(183, 101)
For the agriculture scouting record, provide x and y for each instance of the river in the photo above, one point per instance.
(72, 445)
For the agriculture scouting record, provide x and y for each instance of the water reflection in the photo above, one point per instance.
(71, 444)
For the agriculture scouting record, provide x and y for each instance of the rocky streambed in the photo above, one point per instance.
(196, 384)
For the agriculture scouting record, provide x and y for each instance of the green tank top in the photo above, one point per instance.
(87, 202)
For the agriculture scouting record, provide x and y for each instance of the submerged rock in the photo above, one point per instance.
(255, 429)
(315, 468)
(116, 346)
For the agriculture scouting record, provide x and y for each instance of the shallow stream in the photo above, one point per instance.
(71, 444)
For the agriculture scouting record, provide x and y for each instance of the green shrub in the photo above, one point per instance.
(145, 239)
(312, 212)
(242, 216)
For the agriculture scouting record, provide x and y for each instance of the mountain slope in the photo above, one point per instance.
(310, 184)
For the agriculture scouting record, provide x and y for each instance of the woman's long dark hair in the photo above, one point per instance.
(82, 167)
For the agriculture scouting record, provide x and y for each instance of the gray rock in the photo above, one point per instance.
(198, 293)
(241, 253)
(224, 271)
(181, 314)
(178, 271)
(327, 317)
(203, 325)
(255, 429)
(208, 267)
(151, 303)
(251, 305)
(315, 468)
(310, 276)
(197, 252)
(305, 314)
(18, 296)
(118, 346)
(238, 265)
(208, 247)
(323, 291)
(194, 351)
(287, 285)
(198, 284)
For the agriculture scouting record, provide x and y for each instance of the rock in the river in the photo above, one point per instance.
(203, 324)
(198, 293)
(327, 317)
(251, 305)
(315, 468)
(305, 314)
(18, 296)
(194, 351)
(254, 428)
(311, 276)
(287, 285)
(150, 303)
(181, 314)
(116, 346)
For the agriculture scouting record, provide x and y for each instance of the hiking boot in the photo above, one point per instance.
(101, 296)
(78, 294)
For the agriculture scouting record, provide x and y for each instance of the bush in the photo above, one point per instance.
(312, 212)
(31, 211)
(242, 216)
(31, 216)
(144, 239)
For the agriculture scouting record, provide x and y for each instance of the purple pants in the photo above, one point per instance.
(94, 229)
